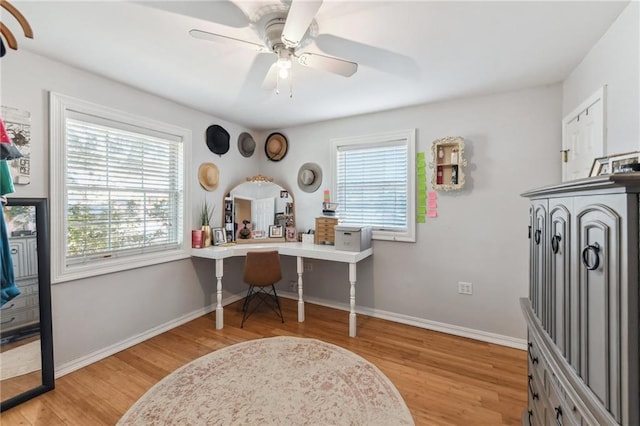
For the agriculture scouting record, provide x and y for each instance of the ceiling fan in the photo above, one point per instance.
(283, 32)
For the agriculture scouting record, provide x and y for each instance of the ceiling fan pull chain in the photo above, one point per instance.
(291, 83)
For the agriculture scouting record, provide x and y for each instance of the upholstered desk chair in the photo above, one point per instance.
(261, 271)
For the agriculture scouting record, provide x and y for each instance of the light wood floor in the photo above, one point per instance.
(445, 380)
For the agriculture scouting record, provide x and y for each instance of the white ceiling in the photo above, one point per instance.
(408, 52)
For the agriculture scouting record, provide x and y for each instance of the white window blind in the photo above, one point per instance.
(374, 181)
(119, 193)
(124, 190)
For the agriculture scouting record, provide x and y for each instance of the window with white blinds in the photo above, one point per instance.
(120, 188)
(374, 183)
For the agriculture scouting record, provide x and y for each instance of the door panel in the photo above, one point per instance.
(560, 273)
(598, 281)
(538, 244)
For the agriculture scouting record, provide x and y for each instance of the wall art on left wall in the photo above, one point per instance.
(18, 125)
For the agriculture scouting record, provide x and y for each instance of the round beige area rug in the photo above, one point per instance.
(273, 381)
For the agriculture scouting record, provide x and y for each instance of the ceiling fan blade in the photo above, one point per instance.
(300, 16)
(271, 79)
(371, 56)
(328, 63)
(204, 35)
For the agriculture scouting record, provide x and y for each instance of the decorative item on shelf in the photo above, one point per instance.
(448, 163)
(244, 233)
(454, 156)
(291, 234)
(196, 238)
(275, 231)
(329, 209)
(205, 222)
(219, 236)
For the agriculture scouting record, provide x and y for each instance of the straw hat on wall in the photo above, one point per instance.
(208, 176)
(276, 146)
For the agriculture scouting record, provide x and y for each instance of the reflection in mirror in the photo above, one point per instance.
(26, 348)
(254, 206)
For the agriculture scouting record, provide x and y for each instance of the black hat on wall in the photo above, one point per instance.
(217, 139)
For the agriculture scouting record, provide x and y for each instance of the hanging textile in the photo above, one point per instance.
(8, 288)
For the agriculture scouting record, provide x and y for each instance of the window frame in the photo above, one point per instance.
(409, 136)
(61, 106)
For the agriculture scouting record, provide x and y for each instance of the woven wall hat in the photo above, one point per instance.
(208, 176)
(309, 177)
(246, 144)
(276, 146)
(217, 139)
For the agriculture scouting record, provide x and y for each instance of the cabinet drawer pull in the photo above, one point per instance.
(534, 395)
(530, 417)
(6, 308)
(559, 416)
(534, 359)
(14, 250)
(529, 232)
(595, 248)
(536, 236)
(7, 322)
(555, 243)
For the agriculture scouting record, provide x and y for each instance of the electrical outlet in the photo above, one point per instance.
(293, 285)
(465, 288)
(308, 267)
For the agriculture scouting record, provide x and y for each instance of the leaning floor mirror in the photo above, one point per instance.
(26, 344)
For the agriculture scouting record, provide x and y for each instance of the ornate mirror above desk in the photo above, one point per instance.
(26, 345)
(258, 210)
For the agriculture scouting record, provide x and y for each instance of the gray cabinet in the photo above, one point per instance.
(24, 310)
(583, 305)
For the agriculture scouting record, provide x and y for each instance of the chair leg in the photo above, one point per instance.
(275, 295)
(245, 305)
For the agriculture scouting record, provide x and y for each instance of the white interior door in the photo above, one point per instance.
(583, 137)
(263, 214)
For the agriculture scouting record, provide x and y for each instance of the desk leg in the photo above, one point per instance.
(219, 312)
(352, 300)
(300, 267)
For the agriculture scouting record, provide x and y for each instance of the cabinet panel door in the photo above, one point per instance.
(560, 273)
(539, 281)
(597, 252)
(19, 257)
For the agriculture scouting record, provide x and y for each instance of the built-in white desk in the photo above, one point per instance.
(300, 251)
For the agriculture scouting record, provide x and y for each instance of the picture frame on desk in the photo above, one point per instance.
(623, 163)
(600, 167)
(219, 236)
(276, 231)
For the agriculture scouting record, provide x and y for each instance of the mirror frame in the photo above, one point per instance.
(259, 178)
(44, 289)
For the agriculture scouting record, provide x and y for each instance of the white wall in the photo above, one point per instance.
(512, 143)
(613, 61)
(92, 314)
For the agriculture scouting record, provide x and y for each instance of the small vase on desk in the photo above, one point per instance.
(206, 235)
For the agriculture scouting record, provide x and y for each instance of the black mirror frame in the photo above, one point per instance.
(44, 288)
